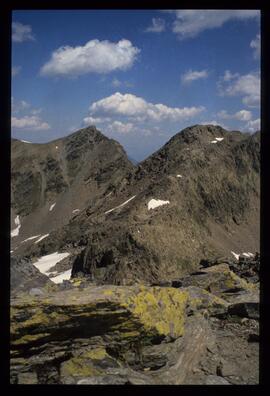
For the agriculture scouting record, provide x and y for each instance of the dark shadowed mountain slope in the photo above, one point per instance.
(196, 198)
(52, 182)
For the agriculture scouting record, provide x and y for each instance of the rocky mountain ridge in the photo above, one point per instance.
(203, 186)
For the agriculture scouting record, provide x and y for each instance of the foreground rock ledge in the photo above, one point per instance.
(132, 335)
(100, 334)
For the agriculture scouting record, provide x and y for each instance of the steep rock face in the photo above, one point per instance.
(52, 182)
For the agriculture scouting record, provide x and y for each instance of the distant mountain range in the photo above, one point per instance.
(196, 198)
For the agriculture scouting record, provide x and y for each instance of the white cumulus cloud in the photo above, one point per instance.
(29, 122)
(228, 76)
(121, 127)
(254, 125)
(242, 115)
(95, 120)
(247, 86)
(21, 32)
(256, 46)
(19, 106)
(129, 105)
(158, 26)
(116, 83)
(94, 57)
(15, 70)
(189, 23)
(192, 75)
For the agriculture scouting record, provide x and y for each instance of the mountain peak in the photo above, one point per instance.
(89, 133)
(200, 132)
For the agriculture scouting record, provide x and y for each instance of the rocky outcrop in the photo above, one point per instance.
(24, 276)
(83, 334)
(79, 333)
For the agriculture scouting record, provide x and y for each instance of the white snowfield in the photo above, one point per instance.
(213, 141)
(15, 232)
(75, 210)
(120, 206)
(62, 276)
(44, 264)
(155, 203)
(179, 176)
(25, 141)
(42, 237)
(56, 147)
(51, 207)
(248, 254)
(53, 273)
(30, 238)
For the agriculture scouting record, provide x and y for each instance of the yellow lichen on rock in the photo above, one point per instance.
(76, 282)
(78, 367)
(29, 338)
(234, 280)
(95, 354)
(108, 292)
(161, 310)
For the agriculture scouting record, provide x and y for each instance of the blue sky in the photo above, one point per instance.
(140, 76)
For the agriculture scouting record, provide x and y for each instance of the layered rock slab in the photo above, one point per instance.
(107, 335)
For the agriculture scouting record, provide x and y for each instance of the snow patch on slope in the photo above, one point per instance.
(217, 140)
(44, 263)
(15, 231)
(62, 276)
(30, 238)
(236, 255)
(51, 207)
(248, 254)
(155, 203)
(42, 237)
(120, 206)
